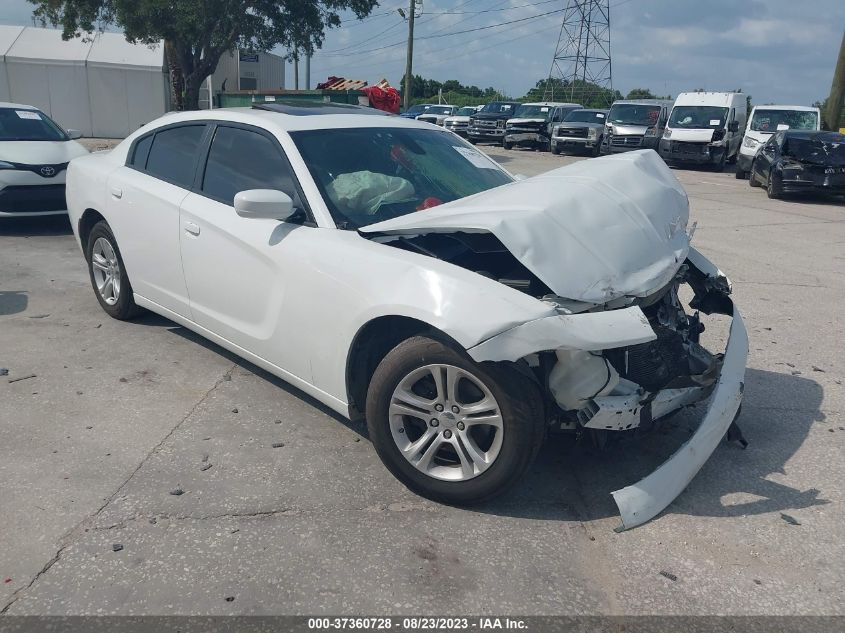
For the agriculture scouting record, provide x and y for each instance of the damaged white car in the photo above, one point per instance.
(394, 272)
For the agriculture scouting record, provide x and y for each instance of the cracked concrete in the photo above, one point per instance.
(122, 414)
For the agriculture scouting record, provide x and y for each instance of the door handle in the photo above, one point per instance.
(192, 228)
(117, 192)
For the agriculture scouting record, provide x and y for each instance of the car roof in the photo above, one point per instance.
(553, 104)
(786, 107)
(599, 110)
(644, 102)
(285, 119)
(823, 135)
(17, 106)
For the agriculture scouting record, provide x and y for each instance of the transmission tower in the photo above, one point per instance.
(581, 69)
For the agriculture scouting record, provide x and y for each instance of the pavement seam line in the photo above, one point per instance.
(66, 539)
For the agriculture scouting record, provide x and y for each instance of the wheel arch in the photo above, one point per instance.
(89, 218)
(371, 344)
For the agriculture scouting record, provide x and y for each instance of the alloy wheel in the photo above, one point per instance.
(106, 269)
(446, 422)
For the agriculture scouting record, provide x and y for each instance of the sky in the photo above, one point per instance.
(778, 51)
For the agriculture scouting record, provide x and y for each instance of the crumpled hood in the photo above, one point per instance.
(41, 152)
(592, 231)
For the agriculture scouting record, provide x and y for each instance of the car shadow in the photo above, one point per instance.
(154, 320)
(45, 225)
(13, 302)
(572, 480)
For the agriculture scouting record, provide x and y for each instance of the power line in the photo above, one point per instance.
(451, 33)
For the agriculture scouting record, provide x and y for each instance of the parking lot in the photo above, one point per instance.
(284, 508)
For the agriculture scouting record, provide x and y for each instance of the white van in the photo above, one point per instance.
(705, 128)
(766, 120)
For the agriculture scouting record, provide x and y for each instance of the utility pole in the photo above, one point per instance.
(412, 9)
(837, 91)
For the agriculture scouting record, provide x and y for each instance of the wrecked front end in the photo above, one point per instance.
(624, 368)
(604, 245)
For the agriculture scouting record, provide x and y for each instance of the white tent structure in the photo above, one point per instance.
(103, 87)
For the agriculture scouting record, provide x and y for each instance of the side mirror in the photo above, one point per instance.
(269, 204)
(734, 126)
(74, 134)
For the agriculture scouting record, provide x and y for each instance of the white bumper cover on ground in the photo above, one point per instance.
(648, 497)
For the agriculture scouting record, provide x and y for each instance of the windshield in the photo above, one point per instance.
(439, 110)
(830, 151)
(532, 112)
(770, 121)
(417, 109)
(28, 125)
(466, 111)
(634, 114)
(497, 107)
(585, 116)
(367, 175)
(698, 117)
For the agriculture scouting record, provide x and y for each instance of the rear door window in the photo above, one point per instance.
(173, 154)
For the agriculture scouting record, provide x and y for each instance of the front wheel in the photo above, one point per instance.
(740, 174)
(596, 151)
(448, 428)
(507, 145)
(773, 188)
(108, 274)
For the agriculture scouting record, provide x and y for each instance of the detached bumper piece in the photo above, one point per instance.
(23, 199)
(648, 497)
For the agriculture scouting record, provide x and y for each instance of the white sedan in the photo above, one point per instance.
(34, 155)
(393, 272)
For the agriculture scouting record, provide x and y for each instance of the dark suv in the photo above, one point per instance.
(488, 124)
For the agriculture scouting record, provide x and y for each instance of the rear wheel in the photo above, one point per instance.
(448, 428)
(773, 187)
(108, 274)
(740, 174)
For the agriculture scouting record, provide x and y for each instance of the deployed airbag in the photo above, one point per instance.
(366, 191)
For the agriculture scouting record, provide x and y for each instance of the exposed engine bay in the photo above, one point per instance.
(617, 389)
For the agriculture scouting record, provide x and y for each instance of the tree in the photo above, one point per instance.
(198, 32)
(640, 93)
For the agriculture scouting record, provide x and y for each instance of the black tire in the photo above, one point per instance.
(472, 140)
(752, 178)
(720, 166)
(773, 188)
(739, 175)
(124, 308)
(596, 151)
(556, 150)
(507, 145)
(519, 402)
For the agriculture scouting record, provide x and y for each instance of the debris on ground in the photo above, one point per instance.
(669, 575)
(278, 444)
(789, 519)
(11, 380)
(153, 521)
(39, 316)
(204, 457)
(230, 598)
(205, 467)
(123, 380)
(356, 439)
(235, 410)
(815, 368)
(226, 378)
(7, 581)
(4, 371)
(116, 547)
(278, 421)
(177, 492)
(758, 582)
